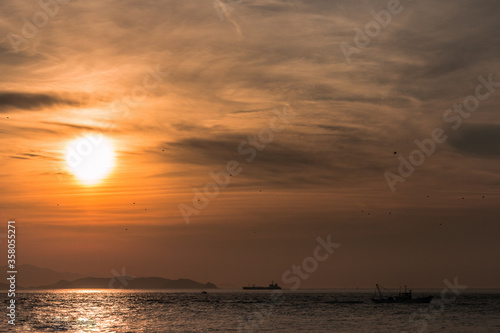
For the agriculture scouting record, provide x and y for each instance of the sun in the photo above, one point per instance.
(90, 158)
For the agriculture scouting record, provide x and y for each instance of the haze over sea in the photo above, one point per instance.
(243, 311)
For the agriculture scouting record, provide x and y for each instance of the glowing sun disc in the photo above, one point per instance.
(90, 158)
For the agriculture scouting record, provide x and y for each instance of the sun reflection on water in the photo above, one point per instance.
(78, 311)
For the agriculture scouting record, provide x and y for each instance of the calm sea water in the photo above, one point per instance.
(254, 311)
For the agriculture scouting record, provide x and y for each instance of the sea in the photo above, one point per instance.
(288, 311)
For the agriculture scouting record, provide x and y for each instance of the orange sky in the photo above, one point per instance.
(177, 90)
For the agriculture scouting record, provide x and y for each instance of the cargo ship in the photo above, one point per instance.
(272, 286)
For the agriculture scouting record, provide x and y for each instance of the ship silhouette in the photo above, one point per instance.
(402, 297)
(272, 286)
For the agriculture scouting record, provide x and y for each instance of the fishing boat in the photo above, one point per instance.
(402, 297)
(272, 286)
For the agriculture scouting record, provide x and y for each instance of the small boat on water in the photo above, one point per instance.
(272, 286)
(403, 297)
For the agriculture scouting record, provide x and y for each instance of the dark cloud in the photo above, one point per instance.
(336, 128)
(31, 101)
(216, 150)
(284, 165)
(32, 156)
(105, 127)
(249, 111)
(478, 139)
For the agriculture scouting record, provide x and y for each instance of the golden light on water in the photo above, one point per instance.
(90, 158)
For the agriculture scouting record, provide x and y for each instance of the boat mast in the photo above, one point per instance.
(379, 292)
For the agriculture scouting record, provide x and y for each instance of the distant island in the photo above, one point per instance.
(31, 278)
(128, 282)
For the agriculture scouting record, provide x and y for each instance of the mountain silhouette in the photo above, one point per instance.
(128, 282)
(32, 277)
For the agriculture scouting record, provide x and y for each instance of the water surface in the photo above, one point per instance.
(247, 311)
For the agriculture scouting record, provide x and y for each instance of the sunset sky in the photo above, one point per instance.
(177, 88)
